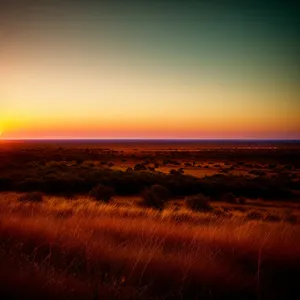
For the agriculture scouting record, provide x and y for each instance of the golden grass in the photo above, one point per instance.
(135, 253)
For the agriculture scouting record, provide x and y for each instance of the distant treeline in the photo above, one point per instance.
(20, 154)
(69, 180)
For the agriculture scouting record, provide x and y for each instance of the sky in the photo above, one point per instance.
(150, 69)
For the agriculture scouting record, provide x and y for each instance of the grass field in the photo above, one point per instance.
(80, 249)
(76, 223)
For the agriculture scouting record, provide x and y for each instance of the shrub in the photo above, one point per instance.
(32, 197)
(171, 162)
(79, 161)
(293, 219)
(175, 172)
(242, 200)
(5, 183)
(272, 218)
(102, 193)
(229, 198)
(254, 215)
(139, 167)
(198, 203)
(155, 197)
(258, 172)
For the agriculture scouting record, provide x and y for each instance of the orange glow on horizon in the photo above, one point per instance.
(159, 128)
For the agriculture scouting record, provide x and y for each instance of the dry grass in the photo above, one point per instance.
(98, 251)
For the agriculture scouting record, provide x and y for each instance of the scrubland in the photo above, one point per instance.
(87, 232)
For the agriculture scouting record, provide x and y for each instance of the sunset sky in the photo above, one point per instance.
(149, 69)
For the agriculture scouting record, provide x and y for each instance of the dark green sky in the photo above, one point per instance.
(251, 47)
(262, 35)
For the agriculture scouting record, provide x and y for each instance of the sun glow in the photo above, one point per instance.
(85, 83)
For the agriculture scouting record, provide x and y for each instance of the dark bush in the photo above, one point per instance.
(139, 167)
(229, 198)
(293, 219)
(5, 183)
(79, 161)
(254, 215)
(29, 184)
(102, 193)
(272, 218)
(174, 172)
(171, 162)
(32, 197)
(242, 200)
(198, 203)
(257, 172)
(155, 197)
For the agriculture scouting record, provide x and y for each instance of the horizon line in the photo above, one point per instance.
(149, 139)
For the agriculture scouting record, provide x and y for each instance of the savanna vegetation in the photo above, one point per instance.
(73, 169)
(82, 221)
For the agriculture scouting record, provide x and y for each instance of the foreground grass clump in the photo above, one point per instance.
(198, 203)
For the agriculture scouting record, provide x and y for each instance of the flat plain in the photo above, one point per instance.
(149, 219)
